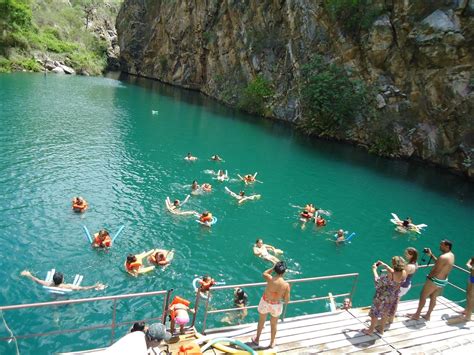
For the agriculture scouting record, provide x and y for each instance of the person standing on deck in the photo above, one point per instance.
(277, 290)
(436, 280)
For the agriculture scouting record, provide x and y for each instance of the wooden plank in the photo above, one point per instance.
(426, 335)
(357, 342)
(458, 343)
(289, 322)
(332, 332)
(294, 327)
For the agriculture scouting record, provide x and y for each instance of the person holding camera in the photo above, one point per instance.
(277, 290)
(387, 290)
(436, 280)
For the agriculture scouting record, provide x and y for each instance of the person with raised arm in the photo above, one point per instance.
(436, 280)
(240, 197)
(275, 295)
(387, 290)
(58, 281)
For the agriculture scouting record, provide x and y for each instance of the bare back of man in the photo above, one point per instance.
(276, 293)
(437, 279)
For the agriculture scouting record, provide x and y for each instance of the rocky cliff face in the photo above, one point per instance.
(418, 55)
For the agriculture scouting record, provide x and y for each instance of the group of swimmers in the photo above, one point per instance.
(206, 218)
(312, 213)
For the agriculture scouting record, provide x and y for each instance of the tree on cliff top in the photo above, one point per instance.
(331, 100)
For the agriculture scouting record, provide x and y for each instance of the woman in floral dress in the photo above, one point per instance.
(387, 290)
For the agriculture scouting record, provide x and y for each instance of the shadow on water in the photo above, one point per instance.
(434, 178)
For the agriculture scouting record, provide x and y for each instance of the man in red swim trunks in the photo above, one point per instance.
(277, 290)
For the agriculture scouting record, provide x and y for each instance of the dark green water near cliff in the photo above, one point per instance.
(63, 136)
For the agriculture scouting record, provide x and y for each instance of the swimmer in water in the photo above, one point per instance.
(222, 176)
(102, 239)
(79, 204)
(216, 158)
(306, 216)
(58, 281)
(241, 195)
(262, 251)
(320, 221)
(189, 157)
(134, 263)
(175, 207)
(206, 187)
(240, 301)
(206, 218)
(340, 236)
(205, 284)
(159, 257)
(310, 208)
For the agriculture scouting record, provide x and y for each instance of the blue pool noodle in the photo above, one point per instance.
(118, 233)
(88, 235)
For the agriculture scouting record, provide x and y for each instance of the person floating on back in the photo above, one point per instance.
(160, 257)
(215, 157)
(189, 157)
(79, 204)
(58, 281)
(262, 250)
(134, 263)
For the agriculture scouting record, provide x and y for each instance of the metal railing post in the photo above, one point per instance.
(205, 311)
(196, 305)
(354, 285)
(114, 316)
(166, 302)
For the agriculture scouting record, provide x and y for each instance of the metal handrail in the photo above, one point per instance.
(449, 282)
(113, 325)
(262, 284)
(81, 300)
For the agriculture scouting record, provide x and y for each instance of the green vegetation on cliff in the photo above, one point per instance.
(333, 103)
(354, 16)
(331, 100)
(56, 30)
(256, 95)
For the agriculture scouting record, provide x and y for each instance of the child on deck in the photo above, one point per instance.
(179, 315)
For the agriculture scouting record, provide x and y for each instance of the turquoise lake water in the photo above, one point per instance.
(62, 136)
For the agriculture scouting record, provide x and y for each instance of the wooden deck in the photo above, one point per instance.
(340, 332)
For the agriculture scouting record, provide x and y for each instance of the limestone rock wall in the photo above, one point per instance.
(418, 54)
